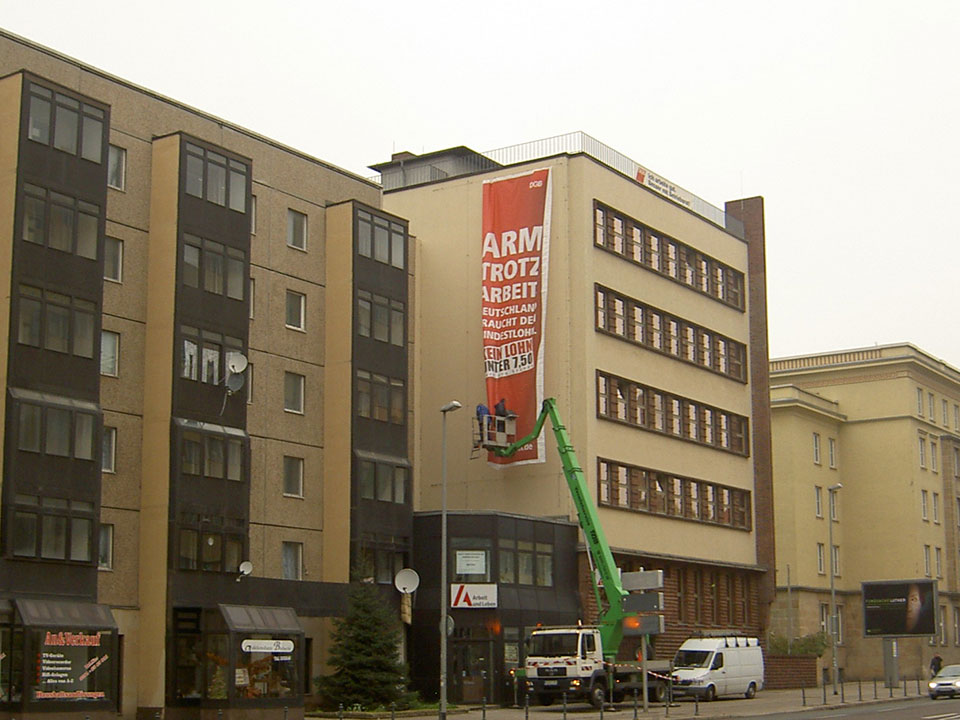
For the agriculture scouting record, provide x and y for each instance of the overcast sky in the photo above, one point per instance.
(844, 115)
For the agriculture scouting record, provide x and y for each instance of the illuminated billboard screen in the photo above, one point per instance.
(899, 608)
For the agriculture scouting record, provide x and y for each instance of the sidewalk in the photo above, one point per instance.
(767, 702)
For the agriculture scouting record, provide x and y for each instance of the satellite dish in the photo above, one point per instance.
(234, 382)
(246, 567)
(236, 362)
(407, 580)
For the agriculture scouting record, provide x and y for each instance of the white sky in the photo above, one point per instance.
(844, 115)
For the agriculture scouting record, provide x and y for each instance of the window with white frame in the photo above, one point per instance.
(956, 625)
(836, 560)
(933, 456)
(924, 498)
(296, 310)
(956, 462)
(105, 552)
(945, 407)
(252, 286)
(936, 508)
(933, 407)
(117, 168)
(109, 353)
(816, 448)
(956, 418)
(112, 259)
(922, 445)
(296, 229)
(292, 476)
(938, 558)
(821, 559)
(926, 560)
(839, 622)
(833, 506)
(832, 447)
(818, 500)
(292, 559)
(293, 386)
(824, 618)
(249, 383)
(253, 214)
(108, 462)
(920, 402)
(942, 623)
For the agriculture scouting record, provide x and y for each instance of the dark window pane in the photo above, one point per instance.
(216, 183)
(92, 148)
(396, 253)
(188, 550)
(61, 228)
(213, 268)
(214, 458)
(364, 311)
(381, 322)
(65, 130)
(83, 334)
(24, 534)
(113, 259)
(366, 480)
(364, 237)
(87, 236)
(33, 220)
(234, 460)
(39, 128)
(238, 191)
(211, 551)
(381, 244)
(191, 454)
(81, 538)
(58, 432)
(232, 555)
(29, 330)
(29, 439)
(384, 482)
(191, 266)
(83, 436)
(194, 180)
(53, 537)
(236, 278)
(58, 329)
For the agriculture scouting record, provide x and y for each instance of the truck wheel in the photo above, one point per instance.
(711, 694)
(751, 692)
(598, 695)
(545, 699)
(657, 693)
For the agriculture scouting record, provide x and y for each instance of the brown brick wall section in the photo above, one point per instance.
(687, 587)
(789, 671)
(750, 212)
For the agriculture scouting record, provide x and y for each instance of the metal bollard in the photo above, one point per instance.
(859, 691)
(564, 705)
(904, 686)
(602, 703)
(874, 688)
(634, 704)
(842, 698)
(824, 693)
(918, 684)
(340, 711)
(696, 704)
(891, 690)
(393, 710)
(483, 708)
(803, 696)
(526, 706)
(219, 713)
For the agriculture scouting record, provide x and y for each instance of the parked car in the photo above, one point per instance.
(946, 682)
(709, 667)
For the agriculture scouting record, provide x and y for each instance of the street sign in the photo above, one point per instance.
(643, 625)
(643, 602)
(642, 580)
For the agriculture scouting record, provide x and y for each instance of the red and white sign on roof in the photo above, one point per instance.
(473, 595)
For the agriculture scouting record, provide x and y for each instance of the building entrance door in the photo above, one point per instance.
(472, 671)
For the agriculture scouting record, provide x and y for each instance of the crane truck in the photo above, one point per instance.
(579, 662)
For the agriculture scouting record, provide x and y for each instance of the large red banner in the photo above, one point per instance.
(516, 242)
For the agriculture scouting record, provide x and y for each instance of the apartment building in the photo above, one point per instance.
(201, 437)
(569, 270)
(867, 441)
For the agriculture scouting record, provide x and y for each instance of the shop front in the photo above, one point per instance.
(58, 656)
(236, 658)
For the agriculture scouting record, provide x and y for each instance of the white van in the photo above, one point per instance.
(709, 667)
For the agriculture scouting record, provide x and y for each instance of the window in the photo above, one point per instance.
(56, 430)
(920, 402)
(627, 319)
(53, 528)
(61, 222)
(956, 418)
(213, 267)
(833, 505)
(105, 547)
(253, 294)
(932, 406)
(832, 446)
(630, 239)
(292, 558)
(55, 321)
(293, 476)
(109, 353)
(818, 500)
(211, 176)
(75, 127)
(381, 398)
(296, 310)
(253, 214)
(922, 444)
(938, 556)
(112, 259)
(933, 456)
(945, 414)
(836, 561)
(296, 230)
(212, 545)
(382, 481)
(956, 625)
(293, 386)
(108, 454)
(821, 559)
(543, 563)
(936, 508)
(116, 167)
(654, 410)
(926, 560)
(212, 454)
(203, 354)
(923, 505)
(381, 239)
(816, 448)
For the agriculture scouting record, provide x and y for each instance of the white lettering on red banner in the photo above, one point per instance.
(473, 595)
(515, 259)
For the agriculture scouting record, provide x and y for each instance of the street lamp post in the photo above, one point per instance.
(444, 591)
(832, 499)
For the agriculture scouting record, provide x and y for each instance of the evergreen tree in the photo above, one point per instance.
(364, 652)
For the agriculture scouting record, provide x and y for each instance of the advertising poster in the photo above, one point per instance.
(69, 667)
(899, 608)
(515, 258)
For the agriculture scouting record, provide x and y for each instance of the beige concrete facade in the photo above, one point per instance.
(887, 422)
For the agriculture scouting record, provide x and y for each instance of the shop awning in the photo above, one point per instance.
(261, 619)
(67, 614)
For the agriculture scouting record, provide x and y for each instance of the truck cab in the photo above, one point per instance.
(565, 660)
